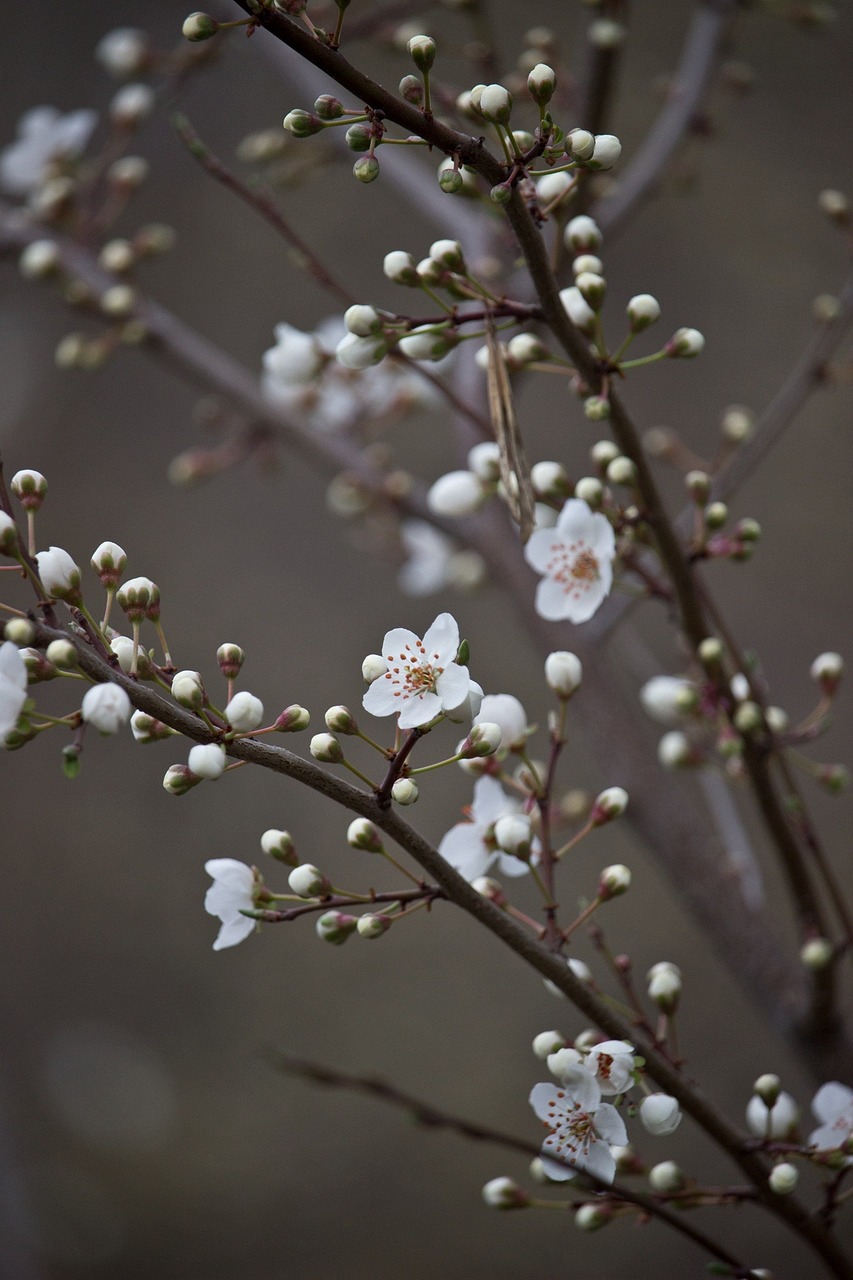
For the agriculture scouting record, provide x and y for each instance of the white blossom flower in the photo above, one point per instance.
(44, 137)
(833, 1106)
(470, 847)
(661, 696)
(244, 712)
(59, 574)
(505, 710)
(13, 687)
(295, 359)
(429, 552)
(660, 1114)
(423, 679)
(576, 561)
(231, 893)
(207, 760)
(107, 707)
(612, 1064)
(583, 1128)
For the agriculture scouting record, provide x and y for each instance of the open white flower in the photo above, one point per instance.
(583, 1128)
(13, 687)
(295, 359)
(833, 1106)
(470, 847)
(576, 561)
(429, 551)
(44, 136)
(423, 679)
(231, 893)
(612, 1063)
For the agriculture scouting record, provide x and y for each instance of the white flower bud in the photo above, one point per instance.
(604, 33)
(123, 51)
(513, 835)
(578, 309)
(179, 779)
(422, 51)
(484, 461)
(207, 760)
(137, 597)
(373, 667)
(817, 954)
(244, 712)
(548, 1043)
(59, 574)
(279, 845)
(580, 144)
(684, 344)
(592, 288)
(783, 1178)
(621, 471)
(610, 804)
(483, 740)
(590, 490)
(737, 423)
(39, 259)
(582, 971)
(362, 320)
(293, 719)
(8, 535)
(675, 751)
(303, 124)
(505, 1193)
(404, 791)
(563, 673)
(63, 655)
(592, 1217)
(146, 729)
(660, 1114)
(643, 310)
(768, 1087)
(664, 987)
(199, 26)
(130, 172)
(361, 834)
(340, 719)
(597, 408)
(401, 268)
(372, 926)
(131, 105)
(748, 718)
(614, 881)
(109, 561)
(776, 1121)
(563, 1060)
(325, 747)
(117, 256)
(666, 1177)
(448, 253)
(827, 670)
(605, 153)
(663, 698)
(491, 889)
(495, 103)
(582, 234)
(428, 343)
(230, 658)
(457, 494)
(307, 881)
(335, 927)
(188, 689)
(20, 631)
(107, 707)
(354, 352)
(553, 185)
(541, 83)
(525, 348)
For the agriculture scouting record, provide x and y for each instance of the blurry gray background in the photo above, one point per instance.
(141, 1130)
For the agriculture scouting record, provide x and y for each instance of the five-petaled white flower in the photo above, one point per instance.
(833, 1106)
(423, 679)
(576, 561)
(583, 1128)
(13, 687)
(44, 136)
(231, 893)
(470, 847)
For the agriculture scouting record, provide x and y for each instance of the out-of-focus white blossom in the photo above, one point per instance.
(231, 893)
(107, 707)
(45, 138)
(13, 687)
(575, 559)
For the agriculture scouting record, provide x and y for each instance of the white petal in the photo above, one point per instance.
(540, 547)
(490, 801)
(831, 1100)
(452, 687)
(380, 698)
(598, 1160)
(419, 710)
(442, 639)
(463, 848)
(233, 931)
(552, 600)
(610, 1125)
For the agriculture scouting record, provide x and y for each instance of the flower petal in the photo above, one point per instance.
(419, 710)
(831, 1100)
(442, 639)
(233, 931)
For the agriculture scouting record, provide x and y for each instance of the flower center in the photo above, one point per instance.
(574, 566)
(573, 1128)
(411, 672)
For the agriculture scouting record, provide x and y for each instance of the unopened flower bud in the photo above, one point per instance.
(340, 720)
(336, 927)
(592, 1217)
(404, 791)
(597, 409)
(307, 881)
(580, 144)
(593, 289)
(146, 728)
(826, 671)
(582, 234)
(401, 268)
(131, 105)
(137, 596)
(590, 490)
(361, 834)
(109, 561)
(768, 1087)
(366, 169)
(563, 674)
(293, 719)
(30, 487)
(775, 1121)
(20, 631)
(698, 485)
(302, 124)
(611, 804)
(279, 845)
(199, 26)
(817, 954)
(513, 835)
(495, 103)
(38, 667)
(429, 342)
(605, 152)
(373, 667)
(179, 779)
(505, 1193)
(675, 750)
(373, 926)
(716, 515)
(660, 1114)
(9, 540)
(666, 1178)
(737, 423)
(835, 205)
(548, 1042)
(541, 83)
(106, 707)
(207, 760)
(684, 344)
(230, 658)
(62, 654)
(783, 1178)
(39, 260)
(362, 320)
(325, 747)
(613, 881)
(451, 181)
(563, 1060)
(457, 494)
(664, 987)
(357, 353)
(710, 651)
(621, 471)
(412, 90)
(244, 712)
(188, 689)
(483, 740)
(748, 718)
(422, 51)
(59, 575)
(491, 889)
(642, 310)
